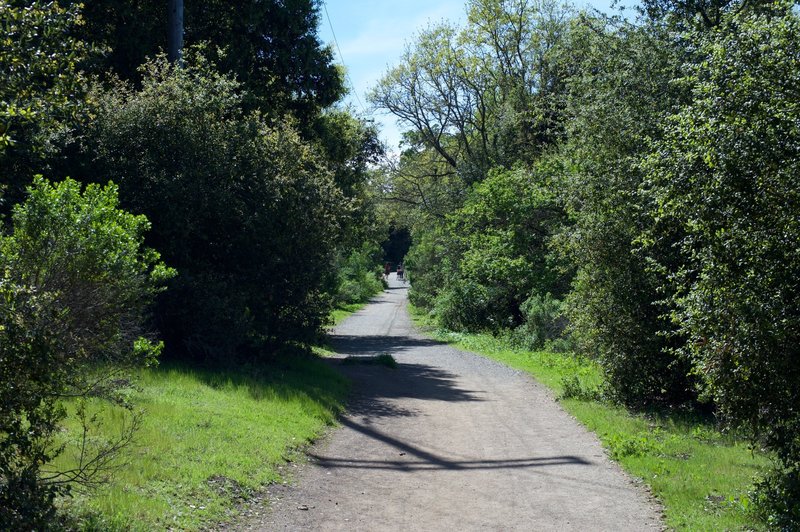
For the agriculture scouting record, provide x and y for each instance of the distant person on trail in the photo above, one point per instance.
(387, 268)
(400, 271)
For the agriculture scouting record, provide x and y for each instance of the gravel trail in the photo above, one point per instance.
(450, 441)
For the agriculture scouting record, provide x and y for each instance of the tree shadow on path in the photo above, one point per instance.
(421, 460)
(352, 345)
(379, 393)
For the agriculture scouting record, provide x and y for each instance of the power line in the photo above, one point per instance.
(341, 57)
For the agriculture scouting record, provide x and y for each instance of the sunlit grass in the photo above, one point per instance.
(701, 476)
(344, 310)
(208, 441)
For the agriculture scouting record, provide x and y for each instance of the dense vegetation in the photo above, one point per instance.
(625, 189)
(232, 163)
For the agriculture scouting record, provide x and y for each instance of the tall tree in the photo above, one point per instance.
(619, 93)
(727, 173)
(482, 96)
(271, 46)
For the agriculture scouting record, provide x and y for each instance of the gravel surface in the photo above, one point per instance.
(449, 440)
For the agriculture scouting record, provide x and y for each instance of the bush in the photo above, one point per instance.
(247, 212)
(75, 285)
(543, 324)
(727, 176)
(359, 275)
(502, 233)
(464, 306)
(43, 91)
(613, 308)
(428, 264)
(776, 497)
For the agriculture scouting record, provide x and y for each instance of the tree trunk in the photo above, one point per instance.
(175, 30)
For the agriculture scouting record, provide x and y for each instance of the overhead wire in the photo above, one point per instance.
(341, 58)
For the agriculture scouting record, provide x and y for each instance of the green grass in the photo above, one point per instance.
(208, 441)
(344, 310)
(701, 476)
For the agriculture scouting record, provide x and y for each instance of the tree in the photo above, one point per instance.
(699, 14)
(43, 92)
(76, 283)
(175, 30)
(727, 173)
(502, 232)
(482, 96)
(270, 46)
(620, 90)
(248, 213)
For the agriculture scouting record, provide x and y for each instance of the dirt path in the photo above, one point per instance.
(450, 441)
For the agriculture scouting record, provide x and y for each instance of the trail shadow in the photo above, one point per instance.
(377, 389)
(376, 345)
(421, 460)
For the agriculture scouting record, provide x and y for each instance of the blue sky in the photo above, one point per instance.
(372, 35)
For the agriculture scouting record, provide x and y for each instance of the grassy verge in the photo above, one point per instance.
(208, 441)
(344, 310)
(701, 476)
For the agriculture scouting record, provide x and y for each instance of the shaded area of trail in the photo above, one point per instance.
(450, 440)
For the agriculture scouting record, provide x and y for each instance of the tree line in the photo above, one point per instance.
(211, 212)
(622, 187)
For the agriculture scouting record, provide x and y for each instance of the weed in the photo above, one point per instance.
(575, 389)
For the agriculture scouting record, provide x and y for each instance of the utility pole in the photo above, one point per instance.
(175, 30)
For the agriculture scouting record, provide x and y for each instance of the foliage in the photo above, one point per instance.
(358, 275)
(543, 323)
(247, 212)
(503, 229)
(429, 265)
(271, 47)
(482, 96)
(699, 14)
(42, 93)
(76, 284)
(498, 242)
(619, 91)
(727, 174)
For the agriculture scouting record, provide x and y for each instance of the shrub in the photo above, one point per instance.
(614, 316)
(358, 275)
(543, 323)
(502, 233)
(75, 284)
(776, 497)
(464, 306)
(246, 211)
(43, 90)
(428, 264)
(727, 176)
